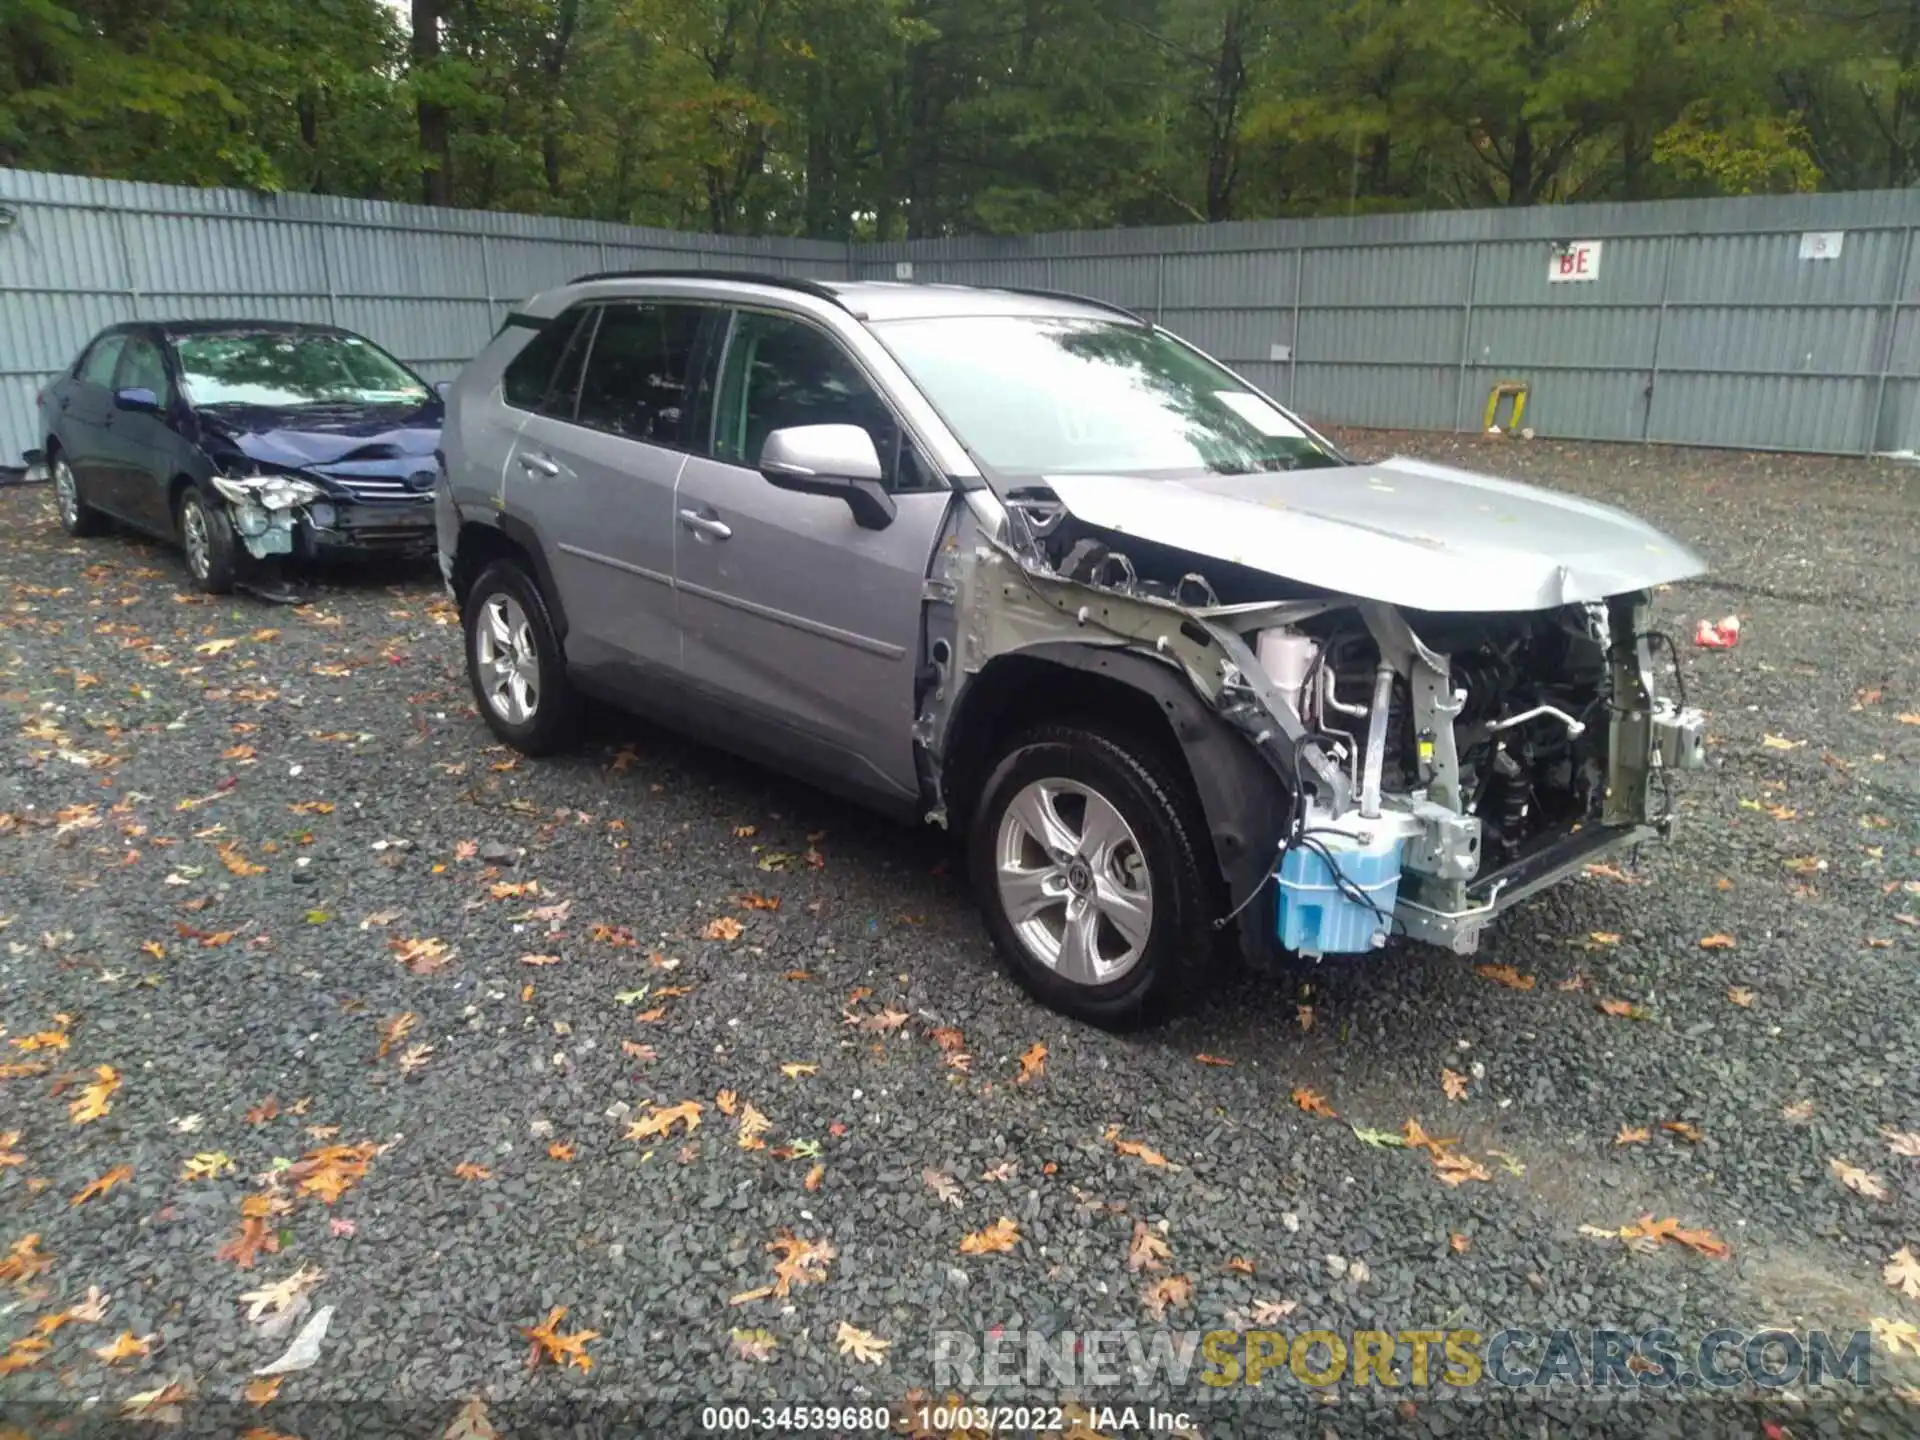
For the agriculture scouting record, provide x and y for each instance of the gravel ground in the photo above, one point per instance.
(225, 830)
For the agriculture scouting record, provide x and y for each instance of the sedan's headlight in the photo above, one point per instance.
(270, 492)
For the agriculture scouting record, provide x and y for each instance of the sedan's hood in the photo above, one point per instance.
(1406, 532)
(313, 439)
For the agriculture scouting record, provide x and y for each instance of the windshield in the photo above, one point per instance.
(1036, 396)
(255, 367)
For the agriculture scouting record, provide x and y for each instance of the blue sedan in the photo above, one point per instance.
(244, 441)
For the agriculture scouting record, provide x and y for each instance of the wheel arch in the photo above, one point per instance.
(1244, 803)
(481, 542)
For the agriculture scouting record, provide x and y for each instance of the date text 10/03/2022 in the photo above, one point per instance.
(942, 1419)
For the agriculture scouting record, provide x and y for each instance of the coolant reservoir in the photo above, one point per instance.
(1286, 656)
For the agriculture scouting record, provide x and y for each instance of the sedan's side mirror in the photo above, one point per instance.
(834, 460)
(443, 388)
(137, 398)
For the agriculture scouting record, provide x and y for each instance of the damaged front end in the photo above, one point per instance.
(264, 510)
(1420, 770)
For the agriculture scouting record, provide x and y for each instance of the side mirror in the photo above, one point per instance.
(443, 388)
(835, 460)
(138, 398)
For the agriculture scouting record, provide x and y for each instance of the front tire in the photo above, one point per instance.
(207, 542)
(77, 518)
(515, 662)
(1086, 852)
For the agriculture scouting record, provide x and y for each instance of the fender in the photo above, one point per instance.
(1246, 805)
(527, 539)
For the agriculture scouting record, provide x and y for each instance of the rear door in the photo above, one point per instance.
(594, 467)
(85, 419)
(142, 447)
(792, 614)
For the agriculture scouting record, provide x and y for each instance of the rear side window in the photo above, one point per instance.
(98, 367)
(530, 375)
(638, 371)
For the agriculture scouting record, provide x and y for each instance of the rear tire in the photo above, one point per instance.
(515, 662)
(77, 517)
(1106, 915)
(207, 542)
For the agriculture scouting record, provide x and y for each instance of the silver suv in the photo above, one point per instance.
(1028, 566)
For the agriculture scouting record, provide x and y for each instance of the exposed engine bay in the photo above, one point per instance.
(1435, 766)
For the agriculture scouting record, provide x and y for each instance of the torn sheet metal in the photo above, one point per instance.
(263, 509)
(1404, 531)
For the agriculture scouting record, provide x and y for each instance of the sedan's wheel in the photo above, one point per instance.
(515, 662)
(76, 516)
(206, 540)
(1086, 855)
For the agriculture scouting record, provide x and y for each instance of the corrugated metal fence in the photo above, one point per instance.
(1720, 322)
(1772, 323)
(430, 285)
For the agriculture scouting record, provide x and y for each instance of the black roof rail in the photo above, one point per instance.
(815, 288)
(1069, 295)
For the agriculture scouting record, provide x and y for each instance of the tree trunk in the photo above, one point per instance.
(436, 178)
(554, 72)
(1520, 178)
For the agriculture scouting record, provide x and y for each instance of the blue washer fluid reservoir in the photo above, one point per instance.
(1314, 916)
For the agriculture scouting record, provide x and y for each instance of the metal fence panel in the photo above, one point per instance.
(1717, 322)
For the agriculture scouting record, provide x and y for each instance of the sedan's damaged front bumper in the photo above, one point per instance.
(286, 515)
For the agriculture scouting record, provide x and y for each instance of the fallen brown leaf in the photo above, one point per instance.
(1146, 1250)
(94, 1189)
(550, 1344)
(1314, 1103)
(1033, 1064)
(998, 1238)
(1857, 1180)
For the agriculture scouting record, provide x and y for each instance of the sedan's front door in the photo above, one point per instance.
(598, 467)
(142, 446)
(795, 618)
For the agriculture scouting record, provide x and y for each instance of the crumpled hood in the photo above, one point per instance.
(1410, 533)
(278, 437)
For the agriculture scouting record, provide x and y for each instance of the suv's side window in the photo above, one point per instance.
(639, 369)
(536, 372)
(142, 367)
(98, 367)
(781, 372)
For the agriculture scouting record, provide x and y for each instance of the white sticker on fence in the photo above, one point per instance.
(903, 269)
(1575, 260)
(1822, 244)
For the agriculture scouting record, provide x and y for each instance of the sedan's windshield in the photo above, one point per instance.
(1035, 396)
(294, 368)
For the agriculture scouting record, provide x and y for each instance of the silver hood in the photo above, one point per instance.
(1423, 536)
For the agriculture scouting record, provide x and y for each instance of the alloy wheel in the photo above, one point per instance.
(66, 494)
(507, 659)
(194, 537)
(1073, 880)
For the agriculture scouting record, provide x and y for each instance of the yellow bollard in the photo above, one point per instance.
(1516, 390)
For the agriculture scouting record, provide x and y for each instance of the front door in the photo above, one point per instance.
(603, 462)
(790, 613)
(142, 446)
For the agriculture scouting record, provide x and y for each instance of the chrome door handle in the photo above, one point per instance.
(702, 525)
(539, 465)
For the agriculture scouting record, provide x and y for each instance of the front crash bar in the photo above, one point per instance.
(1500, 890)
